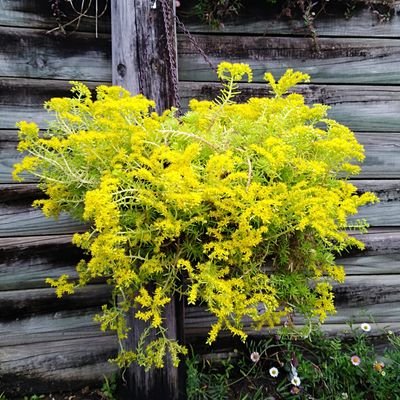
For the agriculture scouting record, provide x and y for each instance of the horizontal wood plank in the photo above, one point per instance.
(362, 108)
(17, 303)
(198, 321)
(56, 366)
(25, 262)
(22, 99)
(381, 150)
(256, 18)
(338, 60)
(38, 14)
(18, 218)
(78, 57)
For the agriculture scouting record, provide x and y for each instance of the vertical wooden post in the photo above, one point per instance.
(140, 58)
(140, 63)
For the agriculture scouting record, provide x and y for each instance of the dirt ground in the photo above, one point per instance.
(84, 394)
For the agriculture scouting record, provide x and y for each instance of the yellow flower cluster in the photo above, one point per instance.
(240, 207)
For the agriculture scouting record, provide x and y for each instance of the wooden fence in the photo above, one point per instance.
(48, 344)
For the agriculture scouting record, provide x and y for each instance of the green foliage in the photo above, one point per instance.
(3, 396)
(109, 388)
(216, 12)
(207, 381)
(239, 207)
(34, 397)
(326, 368)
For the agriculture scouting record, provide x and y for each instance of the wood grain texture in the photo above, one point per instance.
(19, 303)
(38, 14)
(362, 108)
(22, 99)
(19, 218)
(198, 321)
(78, 57)
(142, 60)
(256, 19)
(26, 262)
(338, 60)
(381, 149)
(63, 350)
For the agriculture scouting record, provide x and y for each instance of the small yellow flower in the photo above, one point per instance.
(378, 366)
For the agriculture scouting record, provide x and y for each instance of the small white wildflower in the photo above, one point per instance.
(365, 327)
(255, 356)
(345, 395)
(274, 372)
(295, 381)
(390, 332)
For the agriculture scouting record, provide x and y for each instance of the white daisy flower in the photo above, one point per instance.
(355, 360)
(295, 381)
(365, 327)
(274, 372)
(255, 356)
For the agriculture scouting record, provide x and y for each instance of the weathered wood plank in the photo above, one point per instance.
(26, 262)
(18, 218)
(38, 14)
(382, 158)
(198, 321)
(22, 99)
(362, 108)
(51, 327)
(338, 60)
(58, 365)
(144, 58)
(256, 19)
(18, 303)
(77, 57)
(357, 291)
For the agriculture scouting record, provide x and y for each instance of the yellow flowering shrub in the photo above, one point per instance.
(238, 207)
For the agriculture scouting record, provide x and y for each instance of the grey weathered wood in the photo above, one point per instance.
(54, 352)
(338, 60)
(381, 150)
(19, 218)
(25, 262)
(125, 61)
(23, 98)
(140, 63)
(78, 57)
(140, 58)
(198, 321)
(254, 18)
(362, 108)
(37, 14)
(17, 303)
